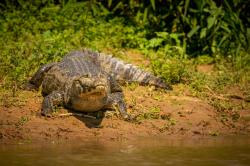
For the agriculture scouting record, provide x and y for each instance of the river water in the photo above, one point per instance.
(233, 151)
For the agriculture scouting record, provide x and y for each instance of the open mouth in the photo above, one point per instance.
(97, 90)
(93, 94)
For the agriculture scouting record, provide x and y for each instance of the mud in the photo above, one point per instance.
(157, 113)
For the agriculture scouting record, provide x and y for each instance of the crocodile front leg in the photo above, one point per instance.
(116, 100)
(51, 101)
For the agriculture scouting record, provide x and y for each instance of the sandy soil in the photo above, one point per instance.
(157, 113)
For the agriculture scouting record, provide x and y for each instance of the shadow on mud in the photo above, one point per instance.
(91, 120)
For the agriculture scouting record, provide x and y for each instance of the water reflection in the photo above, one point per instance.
(150, 151)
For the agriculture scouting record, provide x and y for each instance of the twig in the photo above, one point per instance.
(76, 114)
(215, 95)
(227, 96)
(246, 99)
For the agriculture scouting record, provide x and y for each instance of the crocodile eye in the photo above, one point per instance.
(87, 75)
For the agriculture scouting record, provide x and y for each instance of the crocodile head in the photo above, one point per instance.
(89, 93)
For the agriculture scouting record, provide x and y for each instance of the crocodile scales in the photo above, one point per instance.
(88, 81)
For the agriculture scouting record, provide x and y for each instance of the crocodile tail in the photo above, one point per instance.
(124, 72)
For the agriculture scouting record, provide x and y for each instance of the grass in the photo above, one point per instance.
(22, 121)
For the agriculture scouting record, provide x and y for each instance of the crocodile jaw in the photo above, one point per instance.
(90, 101)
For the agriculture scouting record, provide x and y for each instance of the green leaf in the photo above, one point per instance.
(193, 10)
(131, 4)
(210, 21)
(193, 31)
(176, 36)
(155, 42)
(225, 27)
(214, 46)
(145, 15)
(238, 49)
(222, 40)
(162, 34)
(203, 33)
(186, 7)
(109, 3)
(153, 4)
(118, 6)
(206, 10)
(228, 6)
(138, 16)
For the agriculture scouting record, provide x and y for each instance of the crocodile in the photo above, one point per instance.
(89, 81)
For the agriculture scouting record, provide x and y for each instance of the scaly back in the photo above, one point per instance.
(79, 63)
(124, 72)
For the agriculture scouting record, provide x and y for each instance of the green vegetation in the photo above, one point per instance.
(152, 113)
(22, 121)
(177, 37)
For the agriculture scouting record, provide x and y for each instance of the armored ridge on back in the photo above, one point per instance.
(88, 81)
